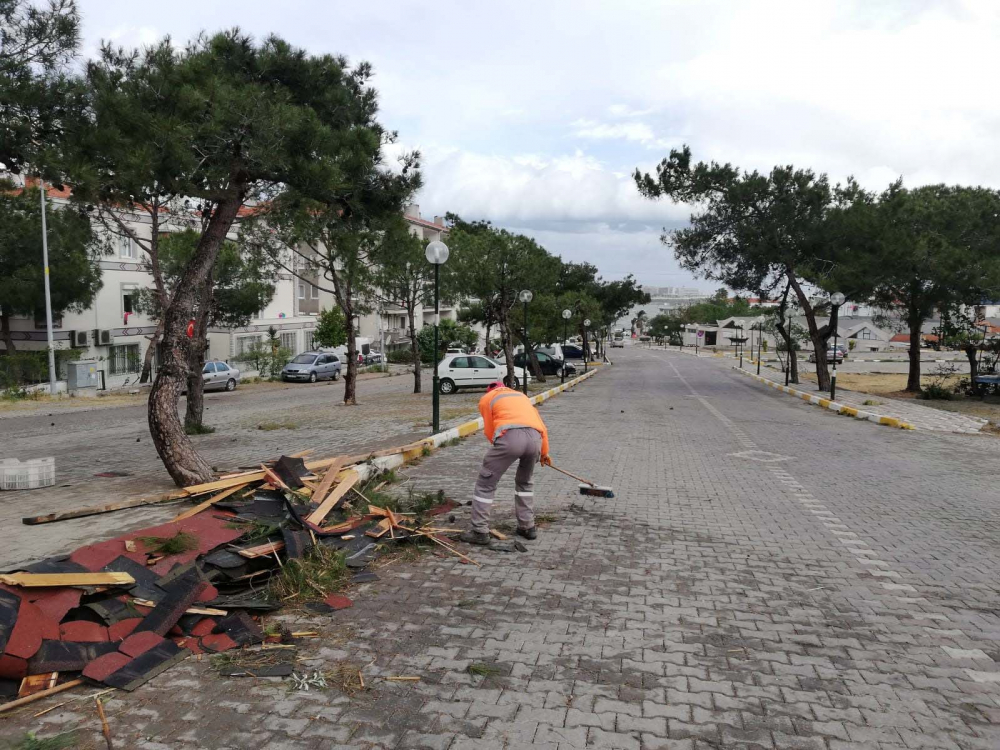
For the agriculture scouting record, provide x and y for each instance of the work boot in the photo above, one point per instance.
(475, 537)
(528, 533)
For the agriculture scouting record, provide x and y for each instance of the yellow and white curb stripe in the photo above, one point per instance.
(394, 461)
(826, 403)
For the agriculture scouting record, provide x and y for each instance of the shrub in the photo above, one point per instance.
(400, 357)
(935, 392)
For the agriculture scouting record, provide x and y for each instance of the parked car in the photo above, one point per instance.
(572, 351)
(312, 366)
(618, 344)
(549, 364)
(841, 355)
(373, 358)
(472, 371)
(219, 376)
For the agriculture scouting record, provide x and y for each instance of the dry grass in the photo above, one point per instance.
(883, 383)
(891, 385)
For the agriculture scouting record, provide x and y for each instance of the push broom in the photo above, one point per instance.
(587, 488)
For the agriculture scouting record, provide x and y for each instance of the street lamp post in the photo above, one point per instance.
(436, 254)
(760, 344)
(525, 297)
(837, 299)
(567, 314)
(586, 345)
(740, 342)
(48, 295)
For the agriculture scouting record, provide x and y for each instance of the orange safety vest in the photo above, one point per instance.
(504, 409)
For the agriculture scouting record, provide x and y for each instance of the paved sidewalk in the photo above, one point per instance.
(730, 596)
(911, 412)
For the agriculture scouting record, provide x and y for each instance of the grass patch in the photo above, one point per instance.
(198, 429)
(274, 425)
(320, 572)
(345, 676)
(483, 670)
(544, 519)
(466, 604)
(871, 402)
(451, 443)
(180, 542)
(57, 742)
(254, 530)
(425, 451)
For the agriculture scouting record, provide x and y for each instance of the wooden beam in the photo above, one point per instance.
(208, 503)
(210, 611)
(95, 510)
(328, 479)
(261, 550)
(35, 580)
(330, 502)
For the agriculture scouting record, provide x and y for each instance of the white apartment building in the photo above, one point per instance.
(115, 336)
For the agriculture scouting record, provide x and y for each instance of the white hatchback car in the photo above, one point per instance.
(473, 371)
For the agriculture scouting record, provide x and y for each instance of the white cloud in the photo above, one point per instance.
(638, 132)
(565, 187)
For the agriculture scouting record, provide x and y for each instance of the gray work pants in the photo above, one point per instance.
(522, 444)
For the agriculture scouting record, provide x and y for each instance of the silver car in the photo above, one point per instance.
(312, 366)
(219, 376)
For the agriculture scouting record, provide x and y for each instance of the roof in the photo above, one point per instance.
(425, 223)
(903, 338)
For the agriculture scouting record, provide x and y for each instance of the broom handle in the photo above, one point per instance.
(574, 476)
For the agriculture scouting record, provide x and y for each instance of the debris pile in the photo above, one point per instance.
(122, 611)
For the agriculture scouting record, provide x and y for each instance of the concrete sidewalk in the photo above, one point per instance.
(908, 412)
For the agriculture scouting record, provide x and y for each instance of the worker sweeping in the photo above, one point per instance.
(516, 433)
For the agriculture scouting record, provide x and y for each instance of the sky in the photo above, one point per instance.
(534, 115)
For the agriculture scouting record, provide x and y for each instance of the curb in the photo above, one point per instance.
(460, 431)
(826, 403)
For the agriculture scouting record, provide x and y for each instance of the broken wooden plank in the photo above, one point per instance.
(208, 503)
(35, 683)
(328, 479)
(38, 696)
(383, 527)
(95, 510)
(499, 535)
(261, 550)
(331, 501)
(273, 479)
(210, 611)
(34, 580)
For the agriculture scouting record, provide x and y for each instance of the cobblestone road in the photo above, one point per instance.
(770, 575)
(297, 417)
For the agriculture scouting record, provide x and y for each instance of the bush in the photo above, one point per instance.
(29, 368)
(400, 356)
(265, 357)
(936, 392)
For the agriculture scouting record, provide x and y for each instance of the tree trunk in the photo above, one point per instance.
(916, 322)
(414, 349)
(181, 460)
(971, 354)
(195, 405)
(8, 339)
(818, 336)
(351, 376)
(508, 351)
(784, 327)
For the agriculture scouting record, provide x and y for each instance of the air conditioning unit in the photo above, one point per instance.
(80, 339)
(103, 337)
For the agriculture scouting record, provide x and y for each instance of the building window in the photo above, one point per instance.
(866, 334)
(126, 248)
(42, 324)
(130, 293)
(302, 290)
(123, 359)
(288, 341)
(315, 291)
(245, 343)
(310, 340)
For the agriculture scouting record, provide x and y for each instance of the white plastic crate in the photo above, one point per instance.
(27, 475)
